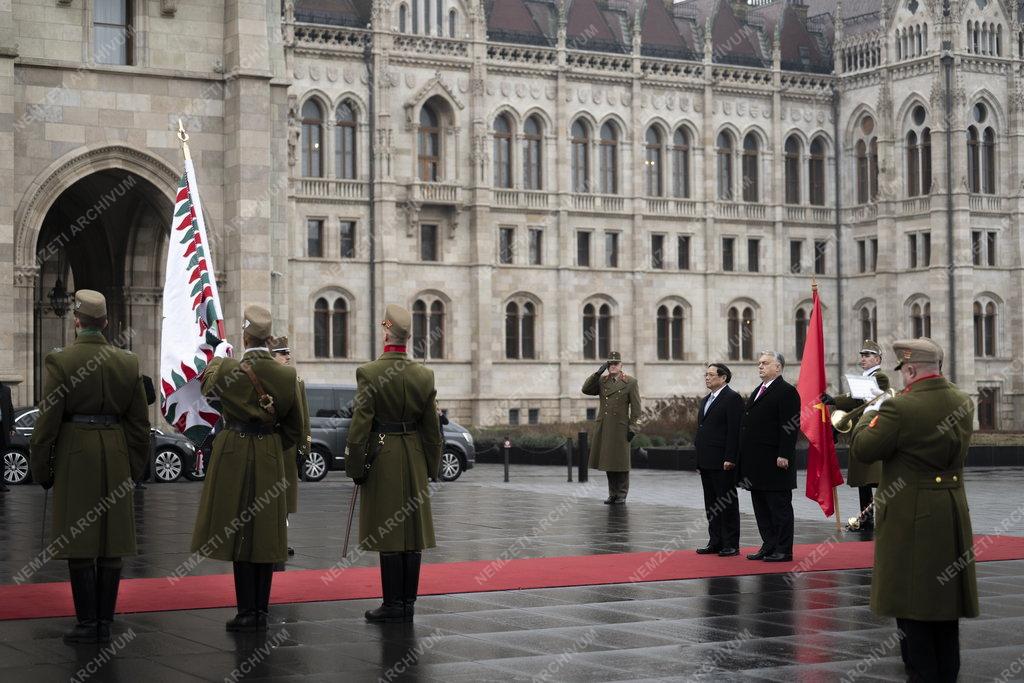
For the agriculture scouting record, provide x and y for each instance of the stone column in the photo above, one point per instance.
(9, 372)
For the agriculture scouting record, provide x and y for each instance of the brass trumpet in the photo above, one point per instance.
(843, 421)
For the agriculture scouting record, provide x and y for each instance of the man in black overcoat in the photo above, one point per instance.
(717, 444)
(768, 432)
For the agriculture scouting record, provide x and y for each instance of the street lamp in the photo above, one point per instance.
(60, 302)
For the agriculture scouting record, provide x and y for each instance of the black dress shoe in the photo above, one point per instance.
(247, 622)
(619, 501)
(609, 500)
(708, 550)
(728, 552)
(291, 551)
(759, 555)
(778, 557)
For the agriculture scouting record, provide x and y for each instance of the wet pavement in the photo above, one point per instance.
(811, 627)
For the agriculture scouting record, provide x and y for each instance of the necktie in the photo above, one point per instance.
(711, 399)
(759, 392)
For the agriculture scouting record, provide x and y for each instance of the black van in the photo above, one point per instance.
(330, 413)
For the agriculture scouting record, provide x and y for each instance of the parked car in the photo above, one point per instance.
(330, 413)
(171, 456)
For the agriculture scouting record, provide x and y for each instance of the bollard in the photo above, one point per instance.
(508, 453)
(584, 457)
(568, 459)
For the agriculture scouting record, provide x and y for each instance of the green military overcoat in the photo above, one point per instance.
(94, 467)
(617, 414)
(861, 473)
(394, 509)
(293, 455)
(924, 563)
(243, 507)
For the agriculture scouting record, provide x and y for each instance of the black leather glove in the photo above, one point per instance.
(630, 435)
(47, 485)
(828, 399)
(359, 482)
(602, 369)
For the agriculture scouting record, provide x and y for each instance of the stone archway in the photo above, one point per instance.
(98, 221)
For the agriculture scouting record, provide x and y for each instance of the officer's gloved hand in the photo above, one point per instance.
(630, 435)
(223, 350)
(602, 369)
(47, 485)
(358, 481)
(828, 399)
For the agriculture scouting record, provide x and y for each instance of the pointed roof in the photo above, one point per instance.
(660, 33)
(587, 28)
(512, 21)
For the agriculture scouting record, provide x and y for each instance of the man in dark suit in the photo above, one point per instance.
(768, 431)
(6, 423)
(717, 443)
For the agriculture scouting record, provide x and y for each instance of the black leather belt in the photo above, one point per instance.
(105, 420)
(394, 427)
(249, 428)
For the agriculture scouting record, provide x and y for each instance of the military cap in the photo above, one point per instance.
(279, 345)
(932, 341)
(397, 321)
(916, 351)
(871, 346)
(90, 303)
(614, 357)
(256, 322)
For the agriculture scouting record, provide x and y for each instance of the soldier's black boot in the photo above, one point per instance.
(410, 583)
(83, 592)
(264, 580)
(392, 609)
(108, 580)
(247, 619)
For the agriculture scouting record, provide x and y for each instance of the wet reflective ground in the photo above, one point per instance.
(815, 628)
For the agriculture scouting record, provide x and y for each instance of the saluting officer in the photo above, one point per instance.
(924, 564)
(863, 475)
(618, 420)
(283, 355)
(394, 448)
(90, 443)
(243, 509)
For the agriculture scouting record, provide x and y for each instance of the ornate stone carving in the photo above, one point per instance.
(169, 8)
(332, 73)
(294, 129)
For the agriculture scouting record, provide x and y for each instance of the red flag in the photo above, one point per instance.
(822, 464)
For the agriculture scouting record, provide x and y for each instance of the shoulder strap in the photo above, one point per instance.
(266, 400)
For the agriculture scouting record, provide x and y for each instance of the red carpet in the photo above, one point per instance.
(28, 601)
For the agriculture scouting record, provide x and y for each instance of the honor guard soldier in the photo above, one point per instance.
(924, 564)
(90, 443)
(618, 419)
(283, 355)
(243, 508)
(394, 448)
(862, 475)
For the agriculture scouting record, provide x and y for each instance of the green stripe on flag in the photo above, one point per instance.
(179, 381)
(186, 206)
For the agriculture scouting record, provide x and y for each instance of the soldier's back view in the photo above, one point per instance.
(90, 443)
(394, 447)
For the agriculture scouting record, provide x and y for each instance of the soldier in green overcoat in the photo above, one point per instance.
(393, 450)
(90, 443)
(863, 475)
(924, 560)
(618, 421)
(243, 508)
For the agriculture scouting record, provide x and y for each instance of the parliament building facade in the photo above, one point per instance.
(539, 181)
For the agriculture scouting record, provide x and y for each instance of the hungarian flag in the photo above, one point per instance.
(822, 465)
(193, 324)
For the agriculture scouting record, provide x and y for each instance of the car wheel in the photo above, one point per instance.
(167, 465)
(314, 466)
(190, 473)
(451, 466)
(15, 467)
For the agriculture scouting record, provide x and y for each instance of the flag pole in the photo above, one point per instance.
(184, 137)
(839, 516)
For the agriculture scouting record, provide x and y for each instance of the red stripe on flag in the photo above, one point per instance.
(168, 389)
(190, 249)
(186, 223)
(182, 194)
(189, 373)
